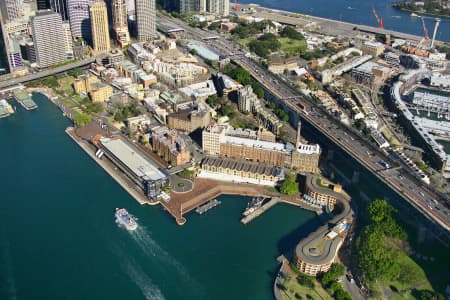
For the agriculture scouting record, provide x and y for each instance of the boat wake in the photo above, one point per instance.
(151, 248)
(138, 276)
(143, 281)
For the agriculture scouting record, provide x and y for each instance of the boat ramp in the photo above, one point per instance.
(209, 205)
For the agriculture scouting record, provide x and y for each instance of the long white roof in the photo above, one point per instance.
(130, 157)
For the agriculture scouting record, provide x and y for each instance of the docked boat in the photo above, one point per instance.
(253, 205)
(125, 219)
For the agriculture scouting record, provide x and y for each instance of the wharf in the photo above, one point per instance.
(24, 99)
(327, 26)
(260, 211)
(109, 168)
(209, 205)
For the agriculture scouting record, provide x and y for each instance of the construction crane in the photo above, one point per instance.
(379, 20)
(426, 34)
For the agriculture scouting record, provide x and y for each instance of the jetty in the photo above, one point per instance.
(24, 99)
(260, 211)
(5, 108)
(209, 205)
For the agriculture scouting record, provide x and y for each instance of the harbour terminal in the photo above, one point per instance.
(185, 108)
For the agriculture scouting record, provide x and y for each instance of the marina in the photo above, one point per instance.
(209, 205)
(254, 204)
(259, 211)
(24, 99)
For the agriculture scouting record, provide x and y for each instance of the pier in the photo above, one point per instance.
(260, 211)
(209, 205)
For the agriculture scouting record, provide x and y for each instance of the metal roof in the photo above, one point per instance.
(133, 159)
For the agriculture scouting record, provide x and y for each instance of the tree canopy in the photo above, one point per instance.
(376, 260)
(81, 119)
(289, 185)
(240, 75)
(291, 33)
(265, 44)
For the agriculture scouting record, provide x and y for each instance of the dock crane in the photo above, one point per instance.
(379, 20)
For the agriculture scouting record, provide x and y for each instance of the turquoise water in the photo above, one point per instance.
(58, 239)
(360, 12)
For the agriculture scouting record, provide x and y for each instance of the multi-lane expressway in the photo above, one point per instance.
(429, 203)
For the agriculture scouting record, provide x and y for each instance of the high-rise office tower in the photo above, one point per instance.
(10, 9)
(68, 44)
(4, 66)
(187, 6)
(80, 24)
(202, 5)
(60, 6)
(120, 22)
(99, 25)
(43, 4)
(146, 19)
(48, 38)
(119, 12)
(218, 7)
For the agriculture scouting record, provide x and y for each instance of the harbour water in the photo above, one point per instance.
(58, 238)
(360, 12)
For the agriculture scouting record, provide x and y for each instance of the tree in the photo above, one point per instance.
(291, 33)
(380, 212)
(289, 185)
(213, 101)
(193, 51)
(258, 90)
(427, 295)
(75, 72)
(240, 75)
(81, 119)
(214, 26)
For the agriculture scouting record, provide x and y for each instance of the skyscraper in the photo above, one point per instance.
(146, 19)
(187, 6)
(68, 44)
(99, 25)
(60, 6)
(120, 22)
(48, 38)
(9, 9)
(4, 66)
(218, 7)
(43, 4)
(80, 24)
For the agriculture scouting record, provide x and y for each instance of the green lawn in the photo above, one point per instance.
(293, 287)
(65, 84)
(292, 46)
(420, 280)
(391, 138)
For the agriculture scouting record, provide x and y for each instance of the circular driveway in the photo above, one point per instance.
(180, 185)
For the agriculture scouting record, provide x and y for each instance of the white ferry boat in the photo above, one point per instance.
(125, 219)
